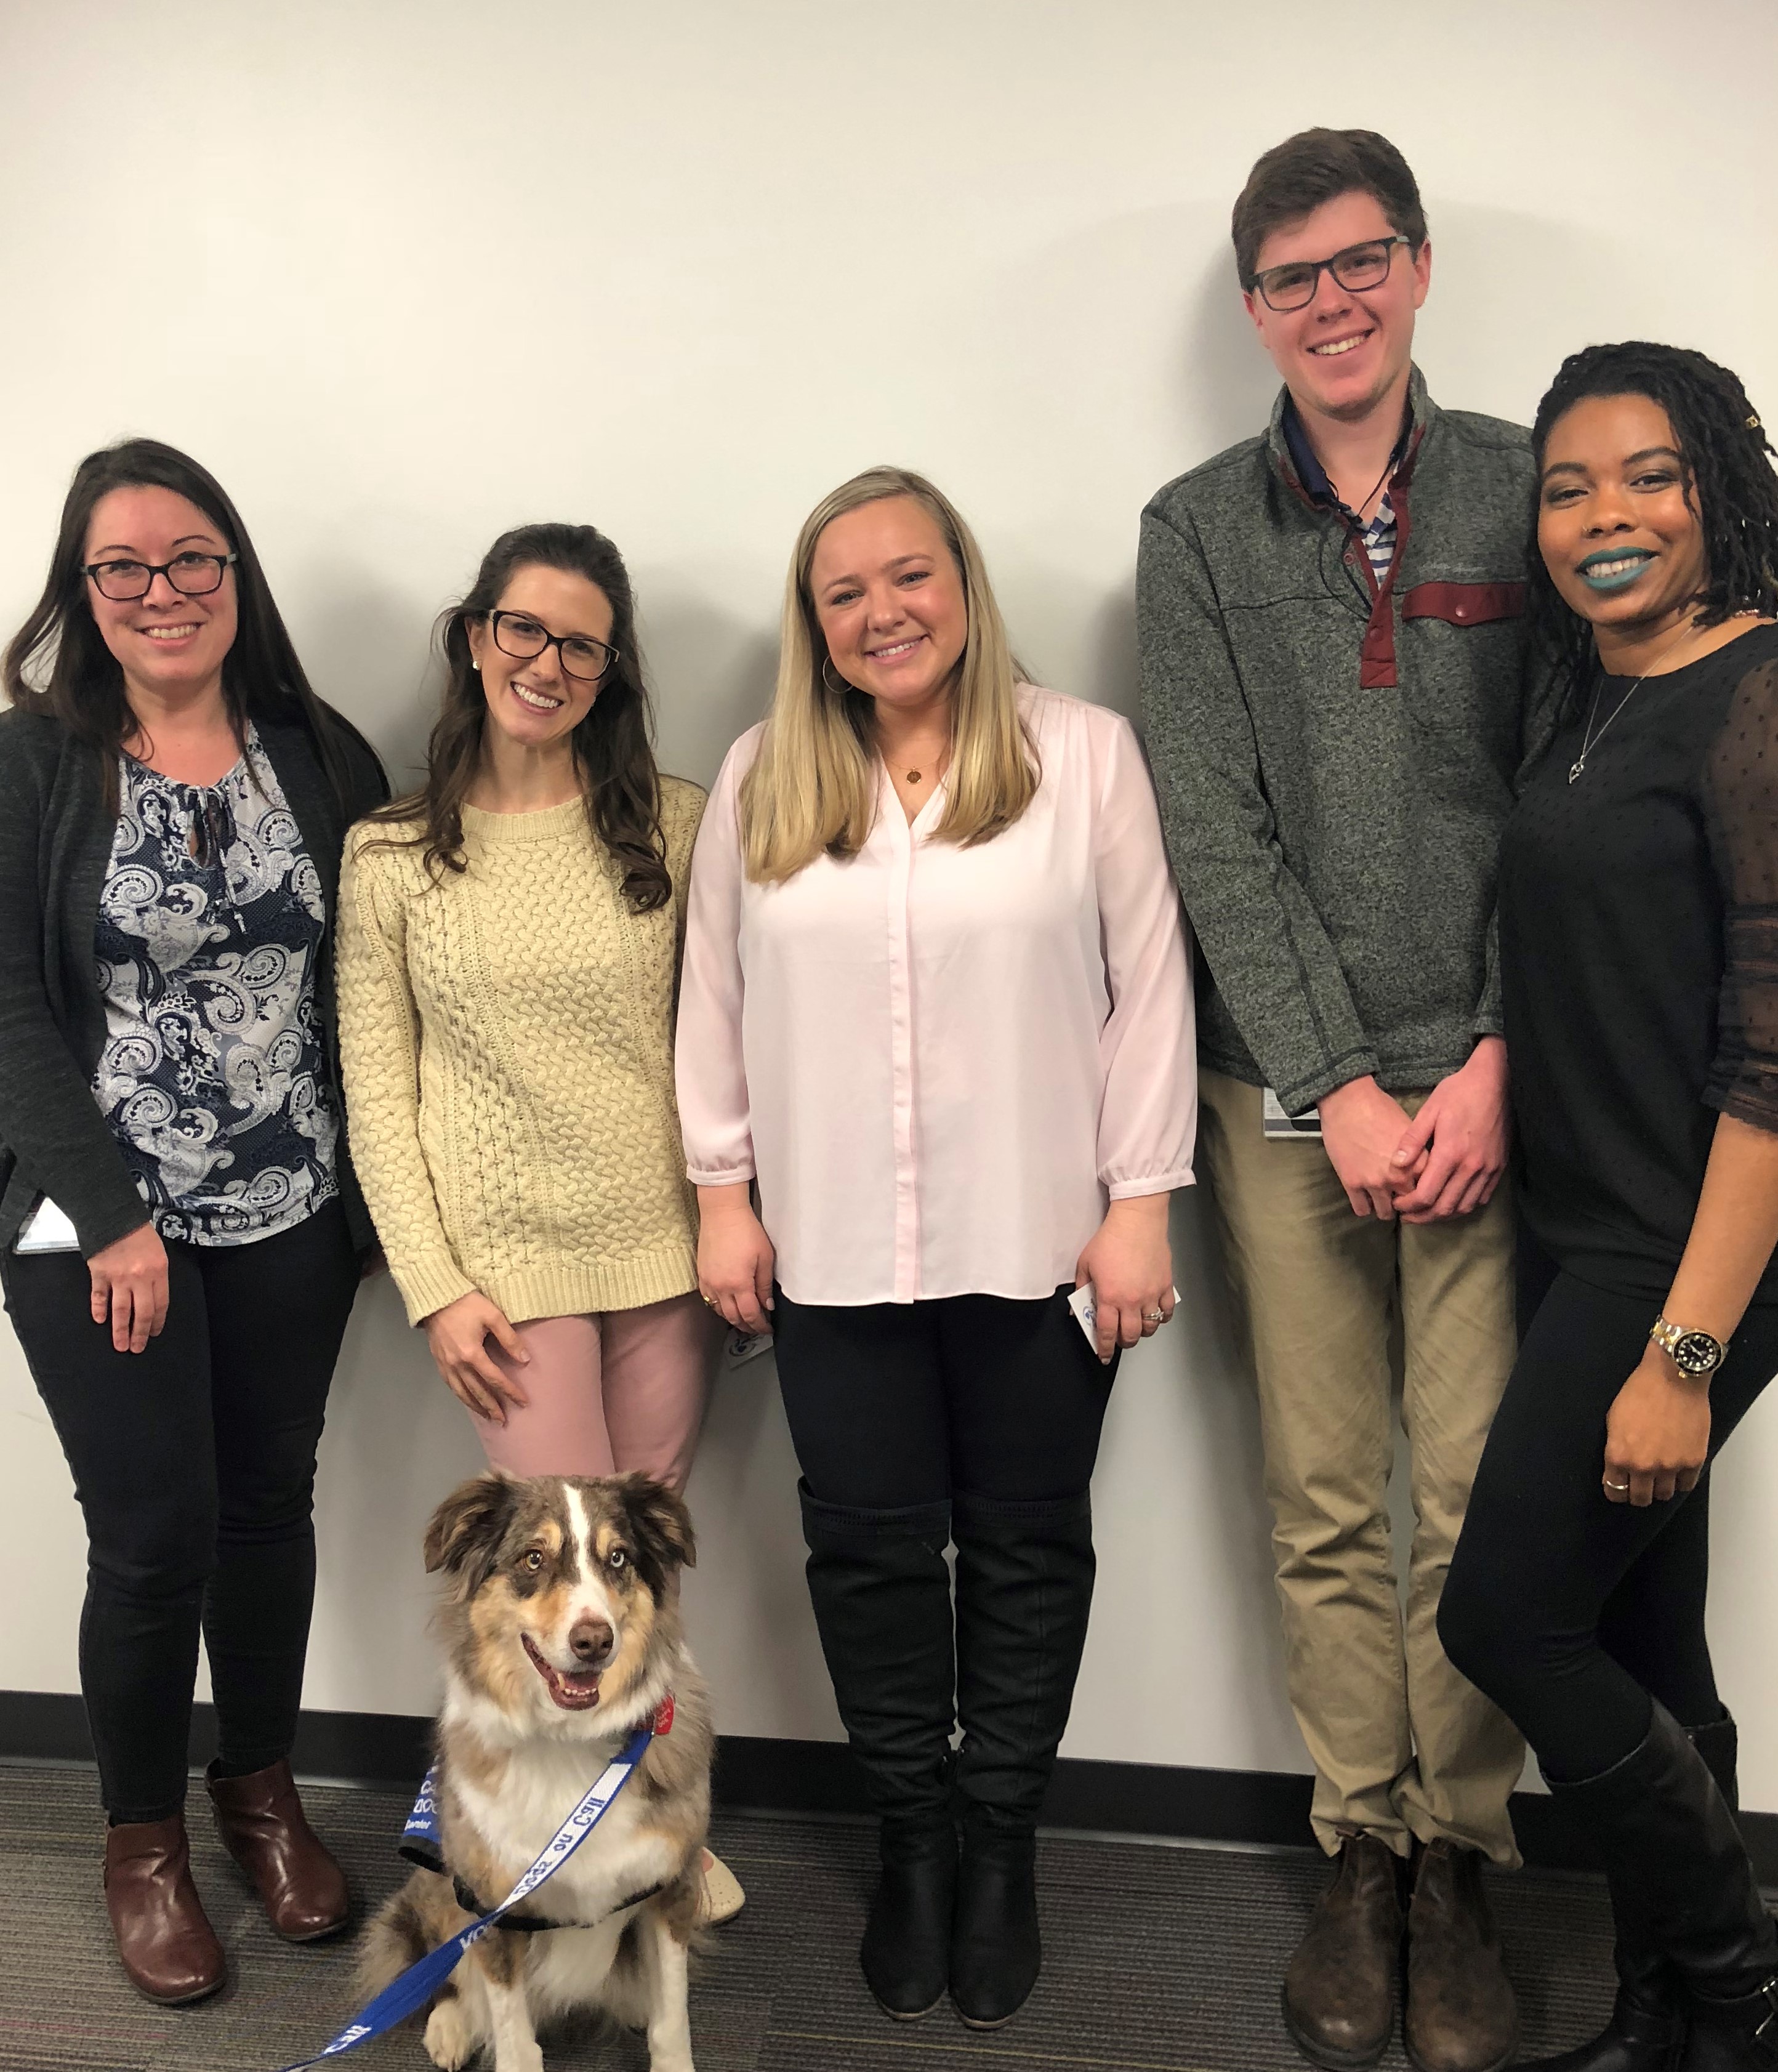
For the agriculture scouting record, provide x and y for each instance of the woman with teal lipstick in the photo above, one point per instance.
(1639, 956)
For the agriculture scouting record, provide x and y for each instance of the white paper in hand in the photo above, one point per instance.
(46, 1229)
(1084, 1302)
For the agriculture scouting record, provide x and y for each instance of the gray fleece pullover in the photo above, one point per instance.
(1335, 759)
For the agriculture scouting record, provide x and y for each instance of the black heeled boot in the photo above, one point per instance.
(881, 1593)
(1649, 2023)
(1024, 1588)
(1674, 1855)
(905, 1952)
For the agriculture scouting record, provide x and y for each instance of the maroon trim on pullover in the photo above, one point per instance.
(1376, 651)
(1464, 603)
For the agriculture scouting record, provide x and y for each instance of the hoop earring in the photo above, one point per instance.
(836, 690)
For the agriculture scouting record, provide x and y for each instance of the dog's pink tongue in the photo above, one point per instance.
(574, 1689)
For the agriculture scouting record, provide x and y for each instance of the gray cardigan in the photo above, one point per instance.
(56, 839)
(1335, 759)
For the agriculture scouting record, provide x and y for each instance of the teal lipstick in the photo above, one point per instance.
(1615, 569)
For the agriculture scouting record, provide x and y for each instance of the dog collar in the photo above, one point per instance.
(530, 1924)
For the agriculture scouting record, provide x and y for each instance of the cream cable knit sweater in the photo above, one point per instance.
(507, 1039)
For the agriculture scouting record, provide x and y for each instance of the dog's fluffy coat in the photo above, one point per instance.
(562, 1637)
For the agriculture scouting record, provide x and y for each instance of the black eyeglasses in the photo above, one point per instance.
(191, 575)
(517, 634)
(1292, 287)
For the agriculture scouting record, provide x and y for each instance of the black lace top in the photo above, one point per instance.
(1638, 959)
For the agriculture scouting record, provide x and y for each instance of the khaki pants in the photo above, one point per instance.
(1403, 1746)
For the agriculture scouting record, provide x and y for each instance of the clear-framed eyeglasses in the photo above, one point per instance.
(518, 634)
(191, 575)
(1358, 267)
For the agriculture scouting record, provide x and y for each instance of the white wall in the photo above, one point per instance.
(406, 272)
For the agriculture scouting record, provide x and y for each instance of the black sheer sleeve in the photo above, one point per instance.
(1741, 790)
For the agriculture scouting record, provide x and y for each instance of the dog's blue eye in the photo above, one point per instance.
(616, 1557)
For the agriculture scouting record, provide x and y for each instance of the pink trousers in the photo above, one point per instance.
(624, 1389)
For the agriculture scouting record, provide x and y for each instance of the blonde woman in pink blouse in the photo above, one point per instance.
(936, 1022)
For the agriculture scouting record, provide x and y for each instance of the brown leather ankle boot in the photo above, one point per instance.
(1461, 2016)
(1339, 1988)
(263, 1828)
(167, 1945)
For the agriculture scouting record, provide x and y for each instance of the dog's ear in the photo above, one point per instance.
(660, 1526)
(467, 1527)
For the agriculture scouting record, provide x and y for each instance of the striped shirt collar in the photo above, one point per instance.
(1309, 471)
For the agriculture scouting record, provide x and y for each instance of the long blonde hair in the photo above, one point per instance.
(813, 789)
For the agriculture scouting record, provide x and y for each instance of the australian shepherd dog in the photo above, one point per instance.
(562, 1634)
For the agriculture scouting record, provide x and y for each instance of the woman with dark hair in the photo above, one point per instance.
(508, 972)
(1639, 954)
(180, 1233)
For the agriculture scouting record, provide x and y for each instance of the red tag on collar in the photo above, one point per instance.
(664, 1715)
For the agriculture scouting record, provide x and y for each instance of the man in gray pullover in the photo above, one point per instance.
(1332, 634)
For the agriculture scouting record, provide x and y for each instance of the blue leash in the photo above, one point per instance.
(417, 1985)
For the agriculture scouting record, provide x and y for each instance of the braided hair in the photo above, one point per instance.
(1729, 482)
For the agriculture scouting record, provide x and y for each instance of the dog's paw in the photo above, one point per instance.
(449, 2043)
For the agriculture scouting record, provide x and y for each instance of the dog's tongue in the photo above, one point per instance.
(575, 1691)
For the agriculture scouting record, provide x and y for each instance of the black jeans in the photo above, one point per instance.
(892, 1404)
(1569, 1611)
(194, 1462)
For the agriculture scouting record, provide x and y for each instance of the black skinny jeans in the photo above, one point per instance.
(194, 1462)
(892, 1404)
(1569, 1611)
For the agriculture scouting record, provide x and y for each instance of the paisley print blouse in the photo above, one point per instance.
(213, 1075)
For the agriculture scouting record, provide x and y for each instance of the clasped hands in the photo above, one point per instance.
(1444, 1161)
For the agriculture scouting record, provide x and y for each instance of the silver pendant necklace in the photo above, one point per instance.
(1589, 740)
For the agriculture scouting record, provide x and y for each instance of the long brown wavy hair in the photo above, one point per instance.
(614, 745)
(58, 663)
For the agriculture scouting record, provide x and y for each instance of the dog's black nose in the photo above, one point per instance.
(591, 1639)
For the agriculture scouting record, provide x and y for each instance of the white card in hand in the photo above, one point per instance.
(1084, 1302)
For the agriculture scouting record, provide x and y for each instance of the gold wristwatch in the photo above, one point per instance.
(1694, 1353)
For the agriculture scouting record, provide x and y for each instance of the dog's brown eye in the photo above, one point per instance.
(532, 1559)
(616, 1558)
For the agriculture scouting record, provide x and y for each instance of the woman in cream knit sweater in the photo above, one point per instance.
(508, 962)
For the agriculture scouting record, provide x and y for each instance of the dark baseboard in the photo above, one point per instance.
(1255, 1805)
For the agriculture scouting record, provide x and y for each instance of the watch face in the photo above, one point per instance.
(1696, 1352)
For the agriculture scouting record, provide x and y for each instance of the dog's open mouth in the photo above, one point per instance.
(575, 1691)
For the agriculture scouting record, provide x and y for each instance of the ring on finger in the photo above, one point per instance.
(1156, 1316)
(1617, 1489)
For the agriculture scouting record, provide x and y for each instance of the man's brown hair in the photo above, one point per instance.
(1315, 166)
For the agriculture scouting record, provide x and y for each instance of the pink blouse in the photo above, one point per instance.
(940, 1062)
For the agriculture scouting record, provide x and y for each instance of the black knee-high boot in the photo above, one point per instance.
(1649, 2021)
(1025, 1587)
(882, 1592)
(1698, 1955)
